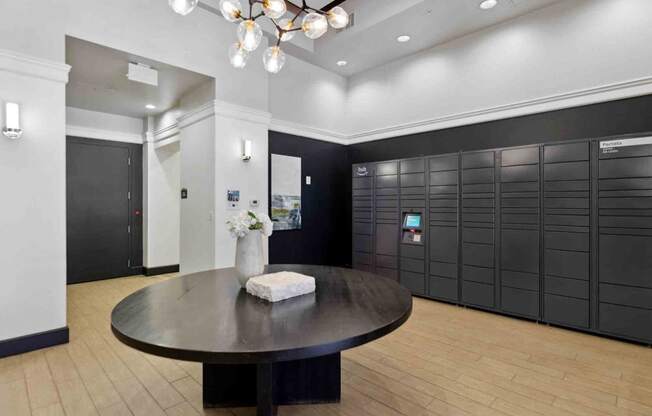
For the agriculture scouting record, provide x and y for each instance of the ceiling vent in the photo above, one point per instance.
(143, 73)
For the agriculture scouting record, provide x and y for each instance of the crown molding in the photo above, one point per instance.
(167, 132)
(603, 93)
(196, 115)
(92, 133)
(297, 129)
(32, 66)
(239, 112)
(167, 141)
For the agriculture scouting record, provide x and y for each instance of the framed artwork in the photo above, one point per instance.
(286, 192)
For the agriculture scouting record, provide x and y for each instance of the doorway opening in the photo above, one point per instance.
(123, 161)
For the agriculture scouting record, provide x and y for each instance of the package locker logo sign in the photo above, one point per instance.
(611, 146)
(362, 171)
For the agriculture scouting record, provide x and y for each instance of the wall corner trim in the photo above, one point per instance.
(33, 66)
(243, 113)
(297, 129)
(33, 342)
(92, 133)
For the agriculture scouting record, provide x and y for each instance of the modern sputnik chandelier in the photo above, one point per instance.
(314, 24)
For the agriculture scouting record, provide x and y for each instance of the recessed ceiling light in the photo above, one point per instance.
(403, 38)
(342, 63)
(488, 4)
(150, 107)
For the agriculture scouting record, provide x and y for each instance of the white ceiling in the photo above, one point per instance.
(98, 81)
(371, 42)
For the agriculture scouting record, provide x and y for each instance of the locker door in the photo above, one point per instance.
(363, 215)
(478, 225)
(443, 192)
(567, 231)
(519, 231)
(413, 198)
(386, 219)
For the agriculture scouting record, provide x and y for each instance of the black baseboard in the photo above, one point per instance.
(154, 271)
(33, 342)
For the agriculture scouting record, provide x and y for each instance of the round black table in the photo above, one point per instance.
(260, 353)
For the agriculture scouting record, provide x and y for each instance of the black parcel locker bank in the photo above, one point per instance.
(559, 232)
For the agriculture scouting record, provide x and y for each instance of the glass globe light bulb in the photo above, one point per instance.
(273, 59)
(285, 24)
(183, 7)
(274, 8)
(238, 56)
(338, 17)
(314, 25)
(249, 34)
(231, 9)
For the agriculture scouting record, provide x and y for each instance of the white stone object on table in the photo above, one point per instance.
(275, 287)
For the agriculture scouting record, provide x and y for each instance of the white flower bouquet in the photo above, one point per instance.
(247, 221)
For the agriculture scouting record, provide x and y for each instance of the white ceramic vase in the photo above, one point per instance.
(249, 256)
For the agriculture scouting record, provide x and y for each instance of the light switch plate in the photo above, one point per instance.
(308, 180)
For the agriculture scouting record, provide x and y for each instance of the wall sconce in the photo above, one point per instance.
(12, 121)
(246, 150)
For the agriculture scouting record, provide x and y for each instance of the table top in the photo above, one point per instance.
(207, 317)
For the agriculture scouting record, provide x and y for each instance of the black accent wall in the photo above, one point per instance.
(327, 204)
(326, 234)
(633, 115)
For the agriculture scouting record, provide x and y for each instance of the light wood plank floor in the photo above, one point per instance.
(444, 361)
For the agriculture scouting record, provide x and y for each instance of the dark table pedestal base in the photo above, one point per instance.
(310, 381)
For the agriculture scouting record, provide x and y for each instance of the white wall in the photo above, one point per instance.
(162, 206)
(104, 126)
(33, 209)
(308, 97)
(574, 45)
(197, 241)
(231, 173)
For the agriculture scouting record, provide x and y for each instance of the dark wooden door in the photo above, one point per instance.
(102, 221)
